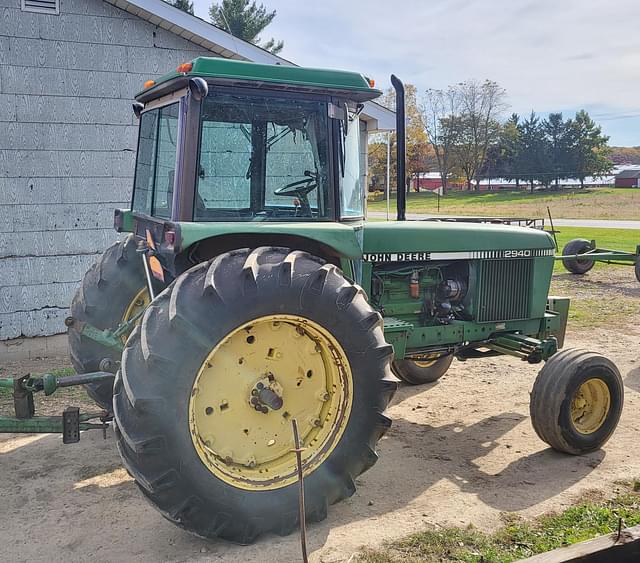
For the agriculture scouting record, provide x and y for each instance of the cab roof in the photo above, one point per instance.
(231, 72)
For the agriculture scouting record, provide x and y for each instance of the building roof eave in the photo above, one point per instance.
(216, 40)
(197, 30)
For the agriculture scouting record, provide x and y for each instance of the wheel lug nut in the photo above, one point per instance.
(260, 386)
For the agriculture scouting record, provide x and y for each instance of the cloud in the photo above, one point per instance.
(549, 55)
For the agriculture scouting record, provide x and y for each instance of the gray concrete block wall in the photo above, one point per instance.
(67, 146)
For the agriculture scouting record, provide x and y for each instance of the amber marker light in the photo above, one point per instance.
(372, 82)
(184, 68)
(148, 84)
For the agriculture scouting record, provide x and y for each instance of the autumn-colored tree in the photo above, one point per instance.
(625, 155)
(419, 155)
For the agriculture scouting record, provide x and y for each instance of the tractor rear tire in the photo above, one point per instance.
(577, 265)
(190, 426)
(420, 372)
(108, 291)
(576, 401)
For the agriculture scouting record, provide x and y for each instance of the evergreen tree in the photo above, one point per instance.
(246, 20)
(560, 144)
(183, 5)
(590, 151)
(511, 147)
(532, 157)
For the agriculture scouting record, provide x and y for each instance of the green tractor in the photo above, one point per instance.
(248, 291)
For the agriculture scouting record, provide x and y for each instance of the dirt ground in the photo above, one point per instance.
(460, 451)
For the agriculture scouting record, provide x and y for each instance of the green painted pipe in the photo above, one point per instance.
(41, 424)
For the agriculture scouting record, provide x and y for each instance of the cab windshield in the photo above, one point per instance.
(263, 159)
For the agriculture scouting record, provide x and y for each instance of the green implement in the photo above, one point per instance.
(580, 255)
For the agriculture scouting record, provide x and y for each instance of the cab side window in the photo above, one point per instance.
(156, 162)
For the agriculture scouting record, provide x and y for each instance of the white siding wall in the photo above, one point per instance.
(67, 146)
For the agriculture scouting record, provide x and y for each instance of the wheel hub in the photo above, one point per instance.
(590, 406)
(266, 394)
(250, 386)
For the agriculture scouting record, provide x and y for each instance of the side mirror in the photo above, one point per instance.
(137, 109)
(198, 88)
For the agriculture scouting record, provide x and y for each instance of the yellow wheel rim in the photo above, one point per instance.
(427, 362)
(253, 382)
(139, 302)
(590, 406)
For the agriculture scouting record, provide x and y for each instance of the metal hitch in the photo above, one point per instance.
(72, 421)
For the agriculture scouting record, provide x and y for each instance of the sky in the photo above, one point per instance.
(549, 55)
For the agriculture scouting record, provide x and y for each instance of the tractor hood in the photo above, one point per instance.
(431, 236)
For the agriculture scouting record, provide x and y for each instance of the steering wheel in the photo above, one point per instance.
(300, 188)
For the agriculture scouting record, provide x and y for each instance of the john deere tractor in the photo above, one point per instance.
(247, 291)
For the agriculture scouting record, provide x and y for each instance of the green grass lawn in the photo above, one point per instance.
(591, 203)
(517, 538)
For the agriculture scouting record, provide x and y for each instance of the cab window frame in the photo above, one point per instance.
(175, 98)
(333, 196)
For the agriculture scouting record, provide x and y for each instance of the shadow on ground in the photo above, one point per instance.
(89, 507)
(632, 381)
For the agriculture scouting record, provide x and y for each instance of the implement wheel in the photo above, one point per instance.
(637, 269)
(577, 265)
(417, 372)
(112, 291)
(223, 361)
(576, 401)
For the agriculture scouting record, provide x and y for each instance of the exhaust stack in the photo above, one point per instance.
(401, 199)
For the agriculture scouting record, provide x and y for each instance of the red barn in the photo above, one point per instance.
(627, 179)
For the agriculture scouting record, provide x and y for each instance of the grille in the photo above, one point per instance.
(504, 289)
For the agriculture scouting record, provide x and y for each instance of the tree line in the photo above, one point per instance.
(461, 133)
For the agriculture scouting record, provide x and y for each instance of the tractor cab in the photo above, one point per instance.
(229, 141)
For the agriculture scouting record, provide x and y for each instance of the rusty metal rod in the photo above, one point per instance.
(303, 524)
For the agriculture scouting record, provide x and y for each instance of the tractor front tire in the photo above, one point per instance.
(576, 401)
(577, 265)
(112, 291)
(223, 361)
(418, 372)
